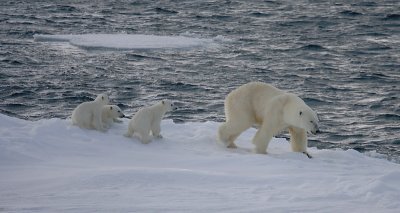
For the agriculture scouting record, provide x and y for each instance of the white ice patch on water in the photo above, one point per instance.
(126, 41)
(52, 166)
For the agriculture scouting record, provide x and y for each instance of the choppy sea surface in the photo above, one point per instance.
(341, 57)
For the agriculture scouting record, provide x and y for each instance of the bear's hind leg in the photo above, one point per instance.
(145, 138)
(130, 131)
(228, 132)
(97, 121)
(86, 121)
(222, 134)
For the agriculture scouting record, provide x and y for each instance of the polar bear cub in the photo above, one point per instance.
(110, 114)
(272, 110)
(149, 119)
(88, 115)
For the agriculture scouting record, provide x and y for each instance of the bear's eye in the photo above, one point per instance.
(312, 122)
(119, 111)
(300, 113)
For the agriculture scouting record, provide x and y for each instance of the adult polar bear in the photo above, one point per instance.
(272, 110)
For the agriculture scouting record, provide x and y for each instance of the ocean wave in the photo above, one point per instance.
(260, 14)
(137, 56)
(370, 76)
(365, 4)
(389, 116)
(165, 11)
(350, 13)
(126, 41)
(62, 8)
(20, 60)
(313, 47)
(315, 101)
(392, 17)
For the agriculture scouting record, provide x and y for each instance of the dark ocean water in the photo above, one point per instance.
(341, 57)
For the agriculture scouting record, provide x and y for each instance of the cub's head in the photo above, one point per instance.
(168, 105)
(102, 98)
(300, 115)
(114, 111)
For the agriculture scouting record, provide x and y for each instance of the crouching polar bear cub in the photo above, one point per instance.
(110, 114)
(88, 115)
(272, 110)
(149, 119)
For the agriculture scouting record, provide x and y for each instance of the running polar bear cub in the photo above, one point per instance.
(88, 115)
(272, 110)
(149, 119)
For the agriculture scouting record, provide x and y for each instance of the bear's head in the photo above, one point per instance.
(114, 111)
(168, 105)
(300, 115)
(102, 98)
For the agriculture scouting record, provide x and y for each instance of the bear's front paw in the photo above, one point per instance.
(128, 135)
(259, 151)
(308, 155)
(159, 136)
(117, 121)
(145, 141)
(232, 146)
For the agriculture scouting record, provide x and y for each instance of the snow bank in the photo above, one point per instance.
(51, 166)
(126, 41)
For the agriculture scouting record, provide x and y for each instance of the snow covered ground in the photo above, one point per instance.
(52, 166)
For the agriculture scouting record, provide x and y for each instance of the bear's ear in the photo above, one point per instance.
(300, 113)
(110, 107)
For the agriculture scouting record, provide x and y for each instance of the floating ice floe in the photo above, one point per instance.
(126, 41)
(52, 166)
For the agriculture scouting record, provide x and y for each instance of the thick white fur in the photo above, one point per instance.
(110, 114)
(149, 119)
(272, 110)
(87, 115)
